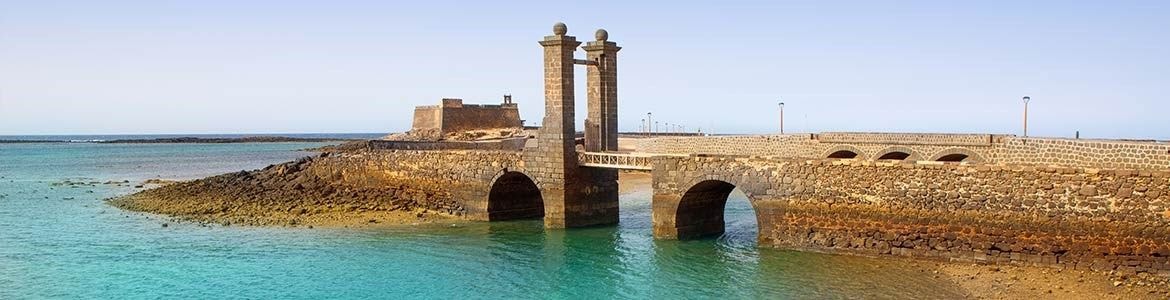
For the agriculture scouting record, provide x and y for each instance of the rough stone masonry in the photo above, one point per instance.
(1072, 217)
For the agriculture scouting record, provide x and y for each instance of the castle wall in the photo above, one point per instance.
(427, 118)
(475, 117)
(454, 116)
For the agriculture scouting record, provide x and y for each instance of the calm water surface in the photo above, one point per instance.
(65, 242)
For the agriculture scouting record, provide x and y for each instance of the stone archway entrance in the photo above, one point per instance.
(514, 196)
(701, 210)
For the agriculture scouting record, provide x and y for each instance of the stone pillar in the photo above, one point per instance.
(601, 125)
(571, 194)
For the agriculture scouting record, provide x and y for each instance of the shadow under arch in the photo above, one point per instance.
(897, 153)
(958, 155)
(843, 152)
(514, 196)
(701, 210)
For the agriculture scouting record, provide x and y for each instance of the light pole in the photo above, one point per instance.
(649, 119)
(781, 117)
(643, 124)
(656, 127)
(1026, 100)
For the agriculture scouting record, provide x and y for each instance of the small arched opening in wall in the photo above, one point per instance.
(514, 196)
(843, 152)
(958, 155)
(896, 153)
(716, 208)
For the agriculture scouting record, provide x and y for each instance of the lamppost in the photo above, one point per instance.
(643, 124)
(649, 118)
(781, 117)
(1026, 100)
(656, 127)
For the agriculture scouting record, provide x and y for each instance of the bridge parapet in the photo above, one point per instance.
(941, 139)
(982, 148)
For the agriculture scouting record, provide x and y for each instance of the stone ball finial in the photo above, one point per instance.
(560, 29)
(601, 35)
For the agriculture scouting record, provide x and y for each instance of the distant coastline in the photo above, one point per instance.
(190, 138)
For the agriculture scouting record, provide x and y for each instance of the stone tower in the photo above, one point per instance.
(573, 196)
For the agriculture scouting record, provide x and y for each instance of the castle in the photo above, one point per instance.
(452, 116)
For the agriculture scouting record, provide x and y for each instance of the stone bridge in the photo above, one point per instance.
(1101, 204)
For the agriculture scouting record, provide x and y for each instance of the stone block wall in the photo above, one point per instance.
(982, 148)
(745, 145)
(1069, 217)
(948, 139)
(456, 182)
(1084, 153)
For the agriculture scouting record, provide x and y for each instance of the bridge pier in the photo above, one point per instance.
(573, 196)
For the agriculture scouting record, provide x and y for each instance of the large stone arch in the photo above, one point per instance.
(836, 150)
(697, 209)
(892, 151)
(513, 195)
(951, 154)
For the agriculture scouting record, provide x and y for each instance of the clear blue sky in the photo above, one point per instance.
(1102, 67)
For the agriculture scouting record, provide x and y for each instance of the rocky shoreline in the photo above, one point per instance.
(281, 195)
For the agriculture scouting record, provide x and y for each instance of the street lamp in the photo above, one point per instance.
(649, 118)
(643, 125)
(1026, 100)
(781, 117)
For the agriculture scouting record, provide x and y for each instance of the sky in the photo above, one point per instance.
(143, 67)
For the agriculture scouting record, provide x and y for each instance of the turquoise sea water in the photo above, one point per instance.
(65, 242)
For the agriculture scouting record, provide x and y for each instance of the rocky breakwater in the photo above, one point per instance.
(331, 190)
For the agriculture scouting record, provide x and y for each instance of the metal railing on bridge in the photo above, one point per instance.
(615, 160)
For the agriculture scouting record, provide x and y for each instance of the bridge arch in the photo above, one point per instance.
(958, 155)
(843, 151)
(699, 211)
(897, 153)
(514, 195)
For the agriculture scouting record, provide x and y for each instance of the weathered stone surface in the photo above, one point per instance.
(954, 211)
(1070, 155)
